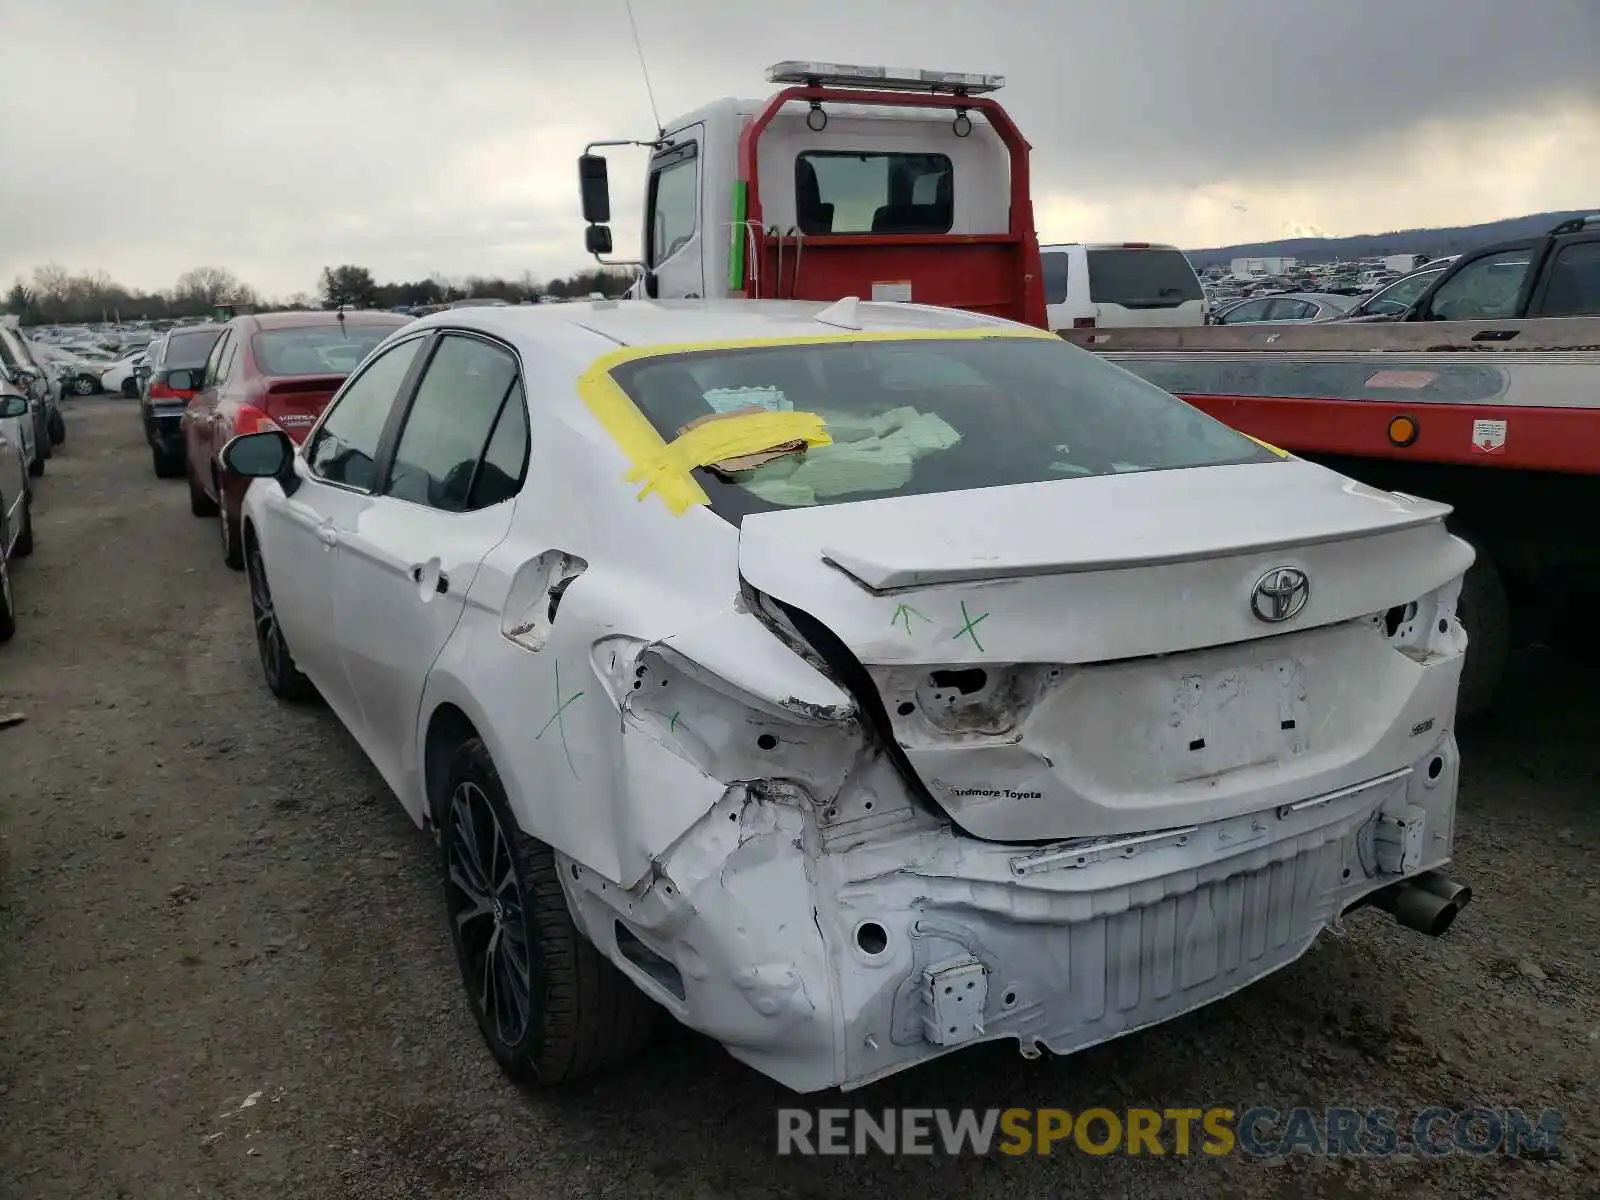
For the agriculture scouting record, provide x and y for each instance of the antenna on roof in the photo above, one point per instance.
(841, 314)
(655, 113)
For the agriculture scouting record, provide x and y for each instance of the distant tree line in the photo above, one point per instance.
(52, 295)
(354, 286)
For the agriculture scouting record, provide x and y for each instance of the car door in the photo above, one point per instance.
(407, 560)
(197, 431)
(337, 472)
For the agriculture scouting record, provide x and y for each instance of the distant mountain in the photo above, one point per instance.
(1435, 243)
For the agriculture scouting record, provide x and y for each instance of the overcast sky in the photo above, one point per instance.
(144, 137)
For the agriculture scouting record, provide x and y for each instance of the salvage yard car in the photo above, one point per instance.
(854, 682)
(16, 505)
(176, 371)
(273, 370)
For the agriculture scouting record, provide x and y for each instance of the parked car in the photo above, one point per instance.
(1295, 307)
(18, 365)
(24, 429)
(268, 370)
(1392, 302)
(16, 506)
(1114, 286)
(123, 375)
(83, 367)
(173, 381)
(772, 659)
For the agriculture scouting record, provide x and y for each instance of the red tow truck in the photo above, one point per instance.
(913, 186)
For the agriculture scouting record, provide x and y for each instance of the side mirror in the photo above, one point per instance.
(595, 189)
(264, 455)
(13, 406)
(597, 239)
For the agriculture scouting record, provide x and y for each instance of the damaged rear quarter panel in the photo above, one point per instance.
(609, 790)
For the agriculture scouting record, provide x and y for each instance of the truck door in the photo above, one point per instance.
(674, 242)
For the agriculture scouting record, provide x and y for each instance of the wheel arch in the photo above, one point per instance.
(448, 727)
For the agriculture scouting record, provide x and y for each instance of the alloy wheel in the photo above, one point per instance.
(485, 901)
(264, 618)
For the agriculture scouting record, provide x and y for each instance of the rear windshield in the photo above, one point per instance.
(1142, 278)
(185, 350)
(909, 417)
(317, 349)
(839, 191)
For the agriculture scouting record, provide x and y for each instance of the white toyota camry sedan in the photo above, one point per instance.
(855, 682)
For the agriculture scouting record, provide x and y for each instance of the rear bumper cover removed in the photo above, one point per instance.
(826, 956)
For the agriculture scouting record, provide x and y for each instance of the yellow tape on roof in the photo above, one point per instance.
(666, 468)
(1267, 446)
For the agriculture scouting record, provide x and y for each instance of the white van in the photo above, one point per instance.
(1115, 286)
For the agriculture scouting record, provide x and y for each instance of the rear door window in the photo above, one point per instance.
(1573, 288)
(451, 423)
(1142, 278)
(842, 191)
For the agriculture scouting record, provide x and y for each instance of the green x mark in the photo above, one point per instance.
(561, 725)
(903, 615)
(970, 629)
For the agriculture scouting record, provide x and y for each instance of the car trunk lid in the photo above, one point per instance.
(1092, 656)
(295, 402)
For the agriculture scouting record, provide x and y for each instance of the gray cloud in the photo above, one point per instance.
(440, 136)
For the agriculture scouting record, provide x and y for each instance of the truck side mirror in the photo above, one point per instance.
(597, 239)
(595, 188)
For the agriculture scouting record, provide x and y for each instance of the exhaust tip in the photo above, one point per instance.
(1428, 903)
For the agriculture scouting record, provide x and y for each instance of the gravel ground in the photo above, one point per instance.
(206, 897)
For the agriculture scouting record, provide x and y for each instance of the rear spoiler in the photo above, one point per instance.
(1542, 334)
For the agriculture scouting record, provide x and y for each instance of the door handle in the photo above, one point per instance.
(441, 585)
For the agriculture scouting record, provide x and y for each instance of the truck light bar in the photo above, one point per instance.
(895, 79)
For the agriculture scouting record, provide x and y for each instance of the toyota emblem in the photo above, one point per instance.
(1280, 594)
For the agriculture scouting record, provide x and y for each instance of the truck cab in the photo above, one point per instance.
(886, 184)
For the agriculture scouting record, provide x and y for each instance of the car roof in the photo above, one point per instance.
(607, 324)
(299, 320)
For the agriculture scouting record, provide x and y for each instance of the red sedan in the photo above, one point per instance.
(268, 369)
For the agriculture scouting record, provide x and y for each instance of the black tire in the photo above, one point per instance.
(167, 466)
(23, 546)
(580, 1014)
(36, 467)
(130, 388)
(200, 504)
(232, 543)
(8, 604)
(284, 679)
(1485, 612)
(83, 385)
(57, 428)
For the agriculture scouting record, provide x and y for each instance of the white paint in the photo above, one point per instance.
(715, 789)
(1489, 437)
